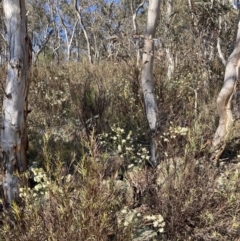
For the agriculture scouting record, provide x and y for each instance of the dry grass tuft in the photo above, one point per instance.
(89, 171)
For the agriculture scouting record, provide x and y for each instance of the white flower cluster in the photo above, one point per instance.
(125, 145)
(178, 130)
(128, 217)
(55, 97)
(157, 221)
(173, 132)
(42, 183)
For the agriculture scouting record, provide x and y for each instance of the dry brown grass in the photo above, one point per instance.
(72, 140)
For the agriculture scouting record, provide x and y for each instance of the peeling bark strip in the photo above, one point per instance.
(146, 76)
(225, 97)
(14, 142)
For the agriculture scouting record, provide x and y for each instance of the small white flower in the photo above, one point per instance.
(68, 178)
(160, 230)
(160, 218)
(130, 166)
(119, 148)
(124, 211)
(155, 224)
(126, 223)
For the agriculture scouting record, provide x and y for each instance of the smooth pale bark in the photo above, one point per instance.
(220, 54)
(135, 28)
(14, 142)
(146, 75)
(68, 36)
(225, 97)
(78, 10)
(170, 60)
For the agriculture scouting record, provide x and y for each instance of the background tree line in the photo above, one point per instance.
(57, 33)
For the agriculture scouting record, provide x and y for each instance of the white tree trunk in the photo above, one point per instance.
(225, 97)
(170, 61)
(14, 141)
(220, 53)
(146, 76)
(136, 30)
(68, 37)
(78, 9)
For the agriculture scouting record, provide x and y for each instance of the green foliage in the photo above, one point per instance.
(46, 56)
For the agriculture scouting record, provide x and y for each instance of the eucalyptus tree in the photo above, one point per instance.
(40, 26)
(220, 53)
(225, 96)
(14, 141)
(146, 74)
(79, 9)
(52, 28)
(169, 55)
(69, 22)
(137, 36)
(107, 29)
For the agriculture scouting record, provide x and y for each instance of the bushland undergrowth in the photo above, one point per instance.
(89, 172)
